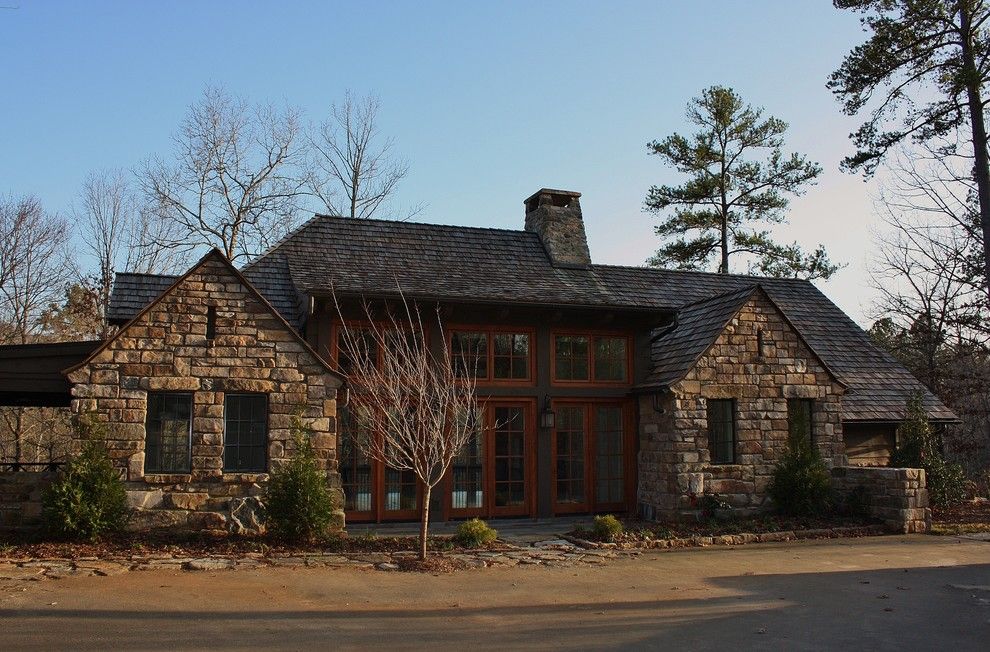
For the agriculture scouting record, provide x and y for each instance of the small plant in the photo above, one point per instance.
(857, 503)
(709, 504)
(801, 485)
(475, 533)
(299, 505)
(607, 527)
(920, 448)
(88, 499)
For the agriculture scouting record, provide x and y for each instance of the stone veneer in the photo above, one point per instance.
(674, 460)
(165, 348)
(898, 497)
(20, 498)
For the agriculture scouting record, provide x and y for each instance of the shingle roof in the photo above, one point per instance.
(132, 292)
(698, 325)
(377, 257)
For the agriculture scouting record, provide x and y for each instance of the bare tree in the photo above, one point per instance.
(354, 172)
(151, 247)
(415, 410)
(34, 266)
(235, 180)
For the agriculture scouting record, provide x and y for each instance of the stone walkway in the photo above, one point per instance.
(553, 552)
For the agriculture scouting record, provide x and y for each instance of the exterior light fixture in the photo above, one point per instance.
(547, 416)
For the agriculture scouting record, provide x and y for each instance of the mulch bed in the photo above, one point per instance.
(207, 545)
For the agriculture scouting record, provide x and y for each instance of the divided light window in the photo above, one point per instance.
(722, 430)
(799, 420)
(168, 429)
(598, 358)
(491, 355)
(245, 439)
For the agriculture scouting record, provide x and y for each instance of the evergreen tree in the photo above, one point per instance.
(739, 178)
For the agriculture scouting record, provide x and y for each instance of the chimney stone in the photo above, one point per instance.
(555, 215)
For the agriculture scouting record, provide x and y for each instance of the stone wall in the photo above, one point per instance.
(898, 497)
(20, 498)
(166, 349)
(675, 462)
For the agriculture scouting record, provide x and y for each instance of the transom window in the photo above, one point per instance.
(168, 430)
(597, 358)
(245, 439)
(722, 430)
(491, 355)
(800, 426)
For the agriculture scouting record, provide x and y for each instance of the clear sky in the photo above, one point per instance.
(488, 101)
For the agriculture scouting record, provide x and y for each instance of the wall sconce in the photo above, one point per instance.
(547, 416)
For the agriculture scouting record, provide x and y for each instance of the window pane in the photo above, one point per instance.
(609, 454)
(571, 357)
(355, 467)
(799, 421)
(468, 471)
(569, 454)
(610, 358)
(469, 352)
(245, 433)
(167, 433)
(511, 355)
(721, 431)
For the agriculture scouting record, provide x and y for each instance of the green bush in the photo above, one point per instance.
(88, 499)
(475, 533)
(607, 527)
(920, 448)
(801, 484)
(299, 505)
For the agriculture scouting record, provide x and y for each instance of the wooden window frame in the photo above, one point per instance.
(629, 468)
(490, 332)
(592, 337)
(361, 324)
(711, 432)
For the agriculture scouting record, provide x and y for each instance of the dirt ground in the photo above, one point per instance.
(881, 593)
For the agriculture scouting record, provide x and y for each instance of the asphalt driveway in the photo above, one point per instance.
(887, 593)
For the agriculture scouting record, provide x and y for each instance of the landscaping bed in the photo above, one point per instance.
(971, 516)
(757, 529)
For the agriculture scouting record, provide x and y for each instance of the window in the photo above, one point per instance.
(245, 440)
(510, 356)
(491, 355)
(211, 322)
(609, 455)
(800, 428)
(569, 454)
(598, 358)
(355, 466)
(722, 431)
(610, 359)
(470, 354)
(366, 346)
(168, 430)
(468, 469)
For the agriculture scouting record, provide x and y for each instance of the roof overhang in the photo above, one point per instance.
(31, 374)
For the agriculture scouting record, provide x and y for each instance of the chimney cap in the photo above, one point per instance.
(555, 196)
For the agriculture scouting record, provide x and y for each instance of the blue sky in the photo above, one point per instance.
(487, 101)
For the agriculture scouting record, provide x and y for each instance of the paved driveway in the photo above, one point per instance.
(889, 593)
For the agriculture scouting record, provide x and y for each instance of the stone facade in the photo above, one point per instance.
(555, 215)
(675, 461)
(898, 497)
(20, 498)
(166, 349)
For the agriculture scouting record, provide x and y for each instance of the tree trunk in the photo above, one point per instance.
(424, 525)
(979, 130)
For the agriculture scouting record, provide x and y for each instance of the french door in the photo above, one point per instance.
(592, 453)
(492, 476)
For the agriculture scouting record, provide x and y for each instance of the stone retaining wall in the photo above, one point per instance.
(898, 497)
(20, 498)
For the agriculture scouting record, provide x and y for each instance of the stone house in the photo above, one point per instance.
(605, 388)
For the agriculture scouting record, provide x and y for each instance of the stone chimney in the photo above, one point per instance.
(555, 215)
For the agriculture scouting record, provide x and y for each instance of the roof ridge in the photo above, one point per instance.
(459, 227)
(746, 290)
(698, 272)
(116, 273)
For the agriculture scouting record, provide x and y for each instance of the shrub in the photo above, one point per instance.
(88, 499)
(709, 504)
(475, 533)
(607, 527)
(920, 448)
(801, 485)
(299, 505)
